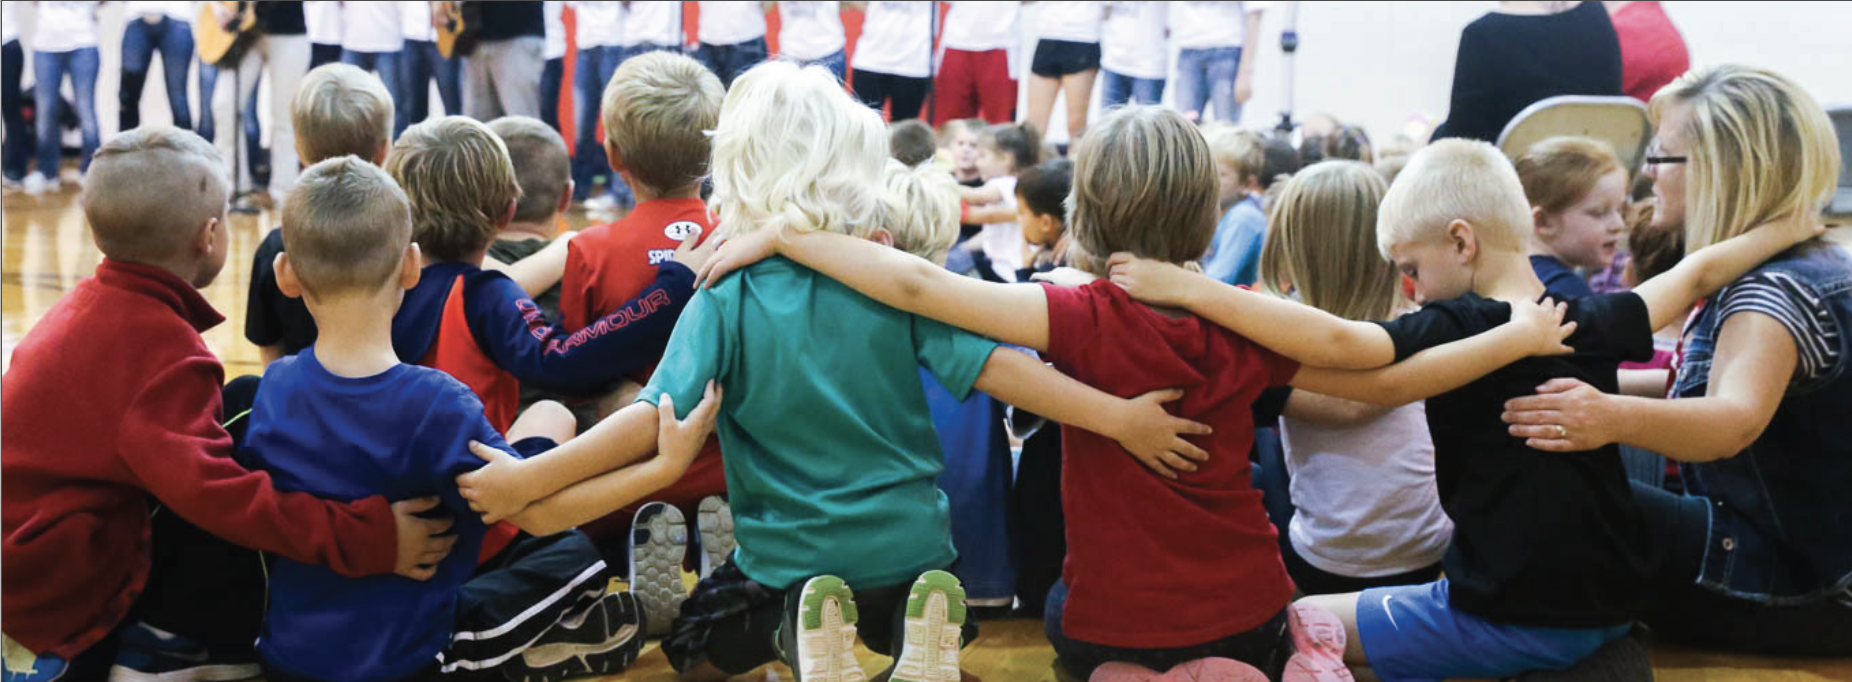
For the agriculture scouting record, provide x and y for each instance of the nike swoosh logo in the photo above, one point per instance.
(1391, 614)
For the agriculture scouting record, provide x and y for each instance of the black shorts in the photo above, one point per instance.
(1057, 58)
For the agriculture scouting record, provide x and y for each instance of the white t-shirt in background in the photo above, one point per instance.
(553, 29)
(730, 22)
(810, 30)
(323, 20)
(415, 21)
(1072, 21)
(981, 26)
(1003, 242)
(371, 27)
(598, 24)
(1367, 505)
(1201, 24)
(64, 26)
(178, 11)
(654, 23)
(1132, 42)
(9, 28)
(896, 39)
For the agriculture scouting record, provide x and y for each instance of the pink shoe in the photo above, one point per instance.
(1125, 672)
(1318, 636)
(1214, 670)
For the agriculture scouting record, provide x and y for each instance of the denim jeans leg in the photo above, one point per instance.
(387, 65)
(1192, 86)
(1148, 90)
(415, 83)
(449, 74)
(1224, 66)
(208, 81)
(139, 40)
(1115, 89)
(48, 73)
(85, 63)
(588, 157)
(176, 61)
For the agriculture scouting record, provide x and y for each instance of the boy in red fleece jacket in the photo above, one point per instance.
(113, 398)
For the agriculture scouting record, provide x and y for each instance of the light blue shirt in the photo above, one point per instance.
(1234, 256)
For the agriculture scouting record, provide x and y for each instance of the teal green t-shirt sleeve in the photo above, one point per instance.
(954, 356)
(695, 354)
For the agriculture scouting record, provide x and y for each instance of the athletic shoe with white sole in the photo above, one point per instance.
(602, 639)
(934, 630)
(150, 654)
(1318, 637)
(658, 543)
(818, 640)
(714, 523)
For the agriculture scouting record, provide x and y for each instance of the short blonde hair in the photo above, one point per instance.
(1144, 183)
(1238, 148)
(1455, 179)
(1559, 171)
(794, 149)
(150, 189)
(345, 227)
(542, 165)
(1760, 149)
(658, 110)
(921, 209)
(1321, 242)
(340, 110)
(460, 182)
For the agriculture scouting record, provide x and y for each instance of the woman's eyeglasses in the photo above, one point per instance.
(1656, 156)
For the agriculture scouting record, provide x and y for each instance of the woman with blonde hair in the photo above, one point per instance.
(1759, 552)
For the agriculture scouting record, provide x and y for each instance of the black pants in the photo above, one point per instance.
(907, 94)
(549, 91)
(1040, 526)
(19, 138)
(1313, 580)
(519, 594)
(1266, 647)
(733, 622)
(323, 53)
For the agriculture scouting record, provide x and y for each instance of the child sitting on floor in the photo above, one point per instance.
(1578, 194)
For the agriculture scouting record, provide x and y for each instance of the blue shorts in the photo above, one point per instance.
(1411, 633)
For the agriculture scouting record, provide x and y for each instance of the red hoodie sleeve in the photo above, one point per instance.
(575, 294)
(172, 443)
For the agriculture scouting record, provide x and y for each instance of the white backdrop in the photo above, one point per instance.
(1371, 63)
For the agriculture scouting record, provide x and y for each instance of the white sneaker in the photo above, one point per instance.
(35, 183)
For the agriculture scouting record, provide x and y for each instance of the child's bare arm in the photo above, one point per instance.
(994, 213)
(541, 270)
(507, 485)
(1016, 314)
(1309, 336)
(1534, 329)
(1140, 425)
(1702, 273)
(979, 195)
(1325, 410)
(680, 440)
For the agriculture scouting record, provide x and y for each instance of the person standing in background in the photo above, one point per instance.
(977, 62)
(732, 36)
(1652, 51)
(555, 54)
(421, 63)
(811, 32)
(372, 40)
(597, 29)
(12, 101)
(1134, 53)
(1214, 69)
(63, 41)
(150, 27)
(498, 78)
(893, 57)
(323, 20)
(1067, 61)
(280, 51)
(1512, 57)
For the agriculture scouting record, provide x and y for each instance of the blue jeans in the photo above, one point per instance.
(253, 130)
(49, 68)
(594, 69)
(420, 64)
(1117, 89)
(19, 142)
(729, 61)
(837, 64)
(1207, 76)
(140, 40)
(387, 64)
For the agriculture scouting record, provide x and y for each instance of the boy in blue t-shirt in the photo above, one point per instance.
(346, 419)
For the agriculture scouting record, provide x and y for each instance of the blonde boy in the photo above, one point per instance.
(920, 206)
(1234, 255)
(112, 413)
(338, 110)
(831, 456)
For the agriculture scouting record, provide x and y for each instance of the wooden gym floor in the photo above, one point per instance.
(48, 250)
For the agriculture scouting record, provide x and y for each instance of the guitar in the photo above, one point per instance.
(223, 42)
(457, 24)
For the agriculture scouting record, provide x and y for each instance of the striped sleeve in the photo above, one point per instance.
(1802, 311)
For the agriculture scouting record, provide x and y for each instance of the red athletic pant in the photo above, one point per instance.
(970, 82)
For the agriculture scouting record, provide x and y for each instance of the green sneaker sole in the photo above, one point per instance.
(826, 633)
(934, 630)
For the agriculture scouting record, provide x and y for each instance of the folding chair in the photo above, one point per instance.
(1840, 210)
(1619, 121)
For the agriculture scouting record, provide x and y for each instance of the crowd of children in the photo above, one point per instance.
(486, 449)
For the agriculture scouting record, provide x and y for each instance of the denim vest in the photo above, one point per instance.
(1781, 510)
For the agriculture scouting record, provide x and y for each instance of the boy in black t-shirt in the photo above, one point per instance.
(1549, 552)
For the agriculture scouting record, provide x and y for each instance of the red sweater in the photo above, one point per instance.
(113, 397)
(1652, 51)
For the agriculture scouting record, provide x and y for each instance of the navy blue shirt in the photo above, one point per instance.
(402, 433)
(1560, 281)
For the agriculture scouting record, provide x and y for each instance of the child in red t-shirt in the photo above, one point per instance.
(1180, 568)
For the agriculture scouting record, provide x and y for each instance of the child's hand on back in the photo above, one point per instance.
(696, 256)
(1154, 282)
(1155, 437)
(737, 253)
(1541, 325)
(1789, 231)
(423, 542)
(679, 440)
(495, 491)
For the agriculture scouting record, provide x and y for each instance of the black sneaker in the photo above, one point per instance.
(150, 654)
(602, 639)
(658, 544)
(817, 637)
